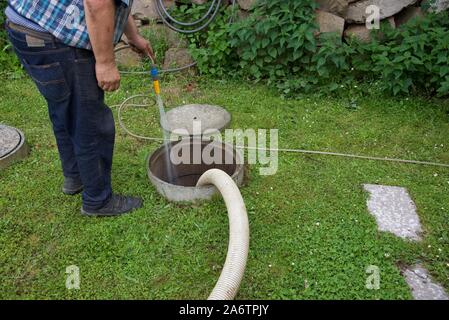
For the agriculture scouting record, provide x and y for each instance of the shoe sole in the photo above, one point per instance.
(71, 192)
(93, 214)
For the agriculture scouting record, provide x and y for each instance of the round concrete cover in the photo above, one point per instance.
(210, 117)
(10, 139)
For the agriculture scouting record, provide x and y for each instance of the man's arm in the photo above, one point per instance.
(136, 40)
(131, 30)
(100, 19)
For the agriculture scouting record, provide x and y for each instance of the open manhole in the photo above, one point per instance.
(177, 180)
(12, 145)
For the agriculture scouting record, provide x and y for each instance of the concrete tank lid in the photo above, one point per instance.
(10, 139)
(207, 116)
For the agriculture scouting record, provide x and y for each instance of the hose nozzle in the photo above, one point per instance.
(155, 77)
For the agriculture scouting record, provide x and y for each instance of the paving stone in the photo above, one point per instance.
(394, 211)
(422, 285)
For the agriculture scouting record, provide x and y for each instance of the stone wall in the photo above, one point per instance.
(349, 17)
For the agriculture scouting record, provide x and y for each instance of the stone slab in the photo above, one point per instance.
(394, 211)
(422, 285)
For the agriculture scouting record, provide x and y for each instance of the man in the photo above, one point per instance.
(67, 47)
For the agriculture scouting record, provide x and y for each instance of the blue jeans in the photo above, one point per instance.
(83, 125)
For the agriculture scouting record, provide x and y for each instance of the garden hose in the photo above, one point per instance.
(160, 4)
(170, 70)
(126, 103)
(171, 22)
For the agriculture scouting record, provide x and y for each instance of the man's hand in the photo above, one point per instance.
(140, 45)
(136, 41)
(100, 18)
(108, 76)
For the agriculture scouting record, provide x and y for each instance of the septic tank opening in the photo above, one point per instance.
(181, 186)
(188, 174)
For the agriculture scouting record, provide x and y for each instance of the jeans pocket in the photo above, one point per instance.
(50, 80)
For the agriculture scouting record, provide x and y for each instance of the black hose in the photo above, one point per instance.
(164, 15)
(187, 24)
(161, 10)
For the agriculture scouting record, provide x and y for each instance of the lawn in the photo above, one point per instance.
(311, 234)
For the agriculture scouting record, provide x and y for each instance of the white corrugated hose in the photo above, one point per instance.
(229, 282)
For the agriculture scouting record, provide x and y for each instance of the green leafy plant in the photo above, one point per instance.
(8, 61)
(277, 42)
(414, 57)
(210, 48)
(280, 43)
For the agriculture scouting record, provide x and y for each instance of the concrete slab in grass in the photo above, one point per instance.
(422, 285)
(12, 145)
(394, 211)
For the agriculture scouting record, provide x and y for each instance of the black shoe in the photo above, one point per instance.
(116, 206)
(72, 186)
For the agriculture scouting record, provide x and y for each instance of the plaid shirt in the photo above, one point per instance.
(66, 20)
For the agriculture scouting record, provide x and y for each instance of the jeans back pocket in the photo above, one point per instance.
(50, 80)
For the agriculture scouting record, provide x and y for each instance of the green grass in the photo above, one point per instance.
(311, 234)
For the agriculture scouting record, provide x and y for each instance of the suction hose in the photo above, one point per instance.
(229, 282)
